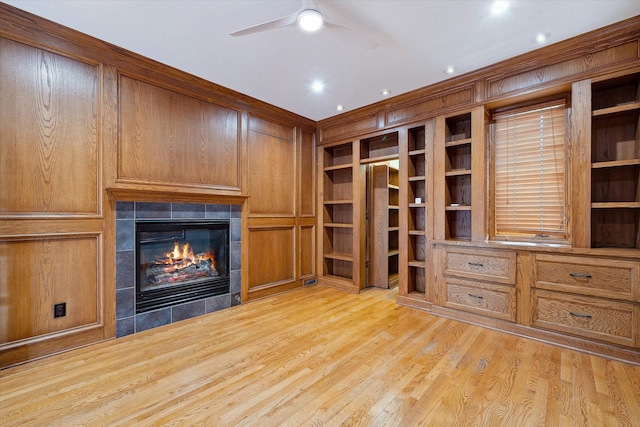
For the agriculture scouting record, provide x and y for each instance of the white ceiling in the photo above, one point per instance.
(416, 41)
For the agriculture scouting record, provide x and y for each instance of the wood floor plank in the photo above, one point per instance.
(321, 357)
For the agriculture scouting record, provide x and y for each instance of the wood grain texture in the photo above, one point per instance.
(580, 163)
(496, 266)
(610, 321)
(273, 166)
(609, 278)
(36, 274)
(419, 108)
(22, 25)
(488, 299)
(307, 191)
(563, 69)
(170, 138)
(479, 137)
(50, 156)
(326, 369)
(353, 126)
(271, 256)
(307, 249)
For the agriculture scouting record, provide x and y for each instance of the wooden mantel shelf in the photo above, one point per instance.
(130, 193)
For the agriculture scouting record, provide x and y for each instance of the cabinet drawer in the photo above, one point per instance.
(612, 321)
(482, 264)
(588, 276)
(497, 301)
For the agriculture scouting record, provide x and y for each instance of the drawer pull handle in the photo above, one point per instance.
(586, 316)
(581, 275)
(476, 296)
(476, 264)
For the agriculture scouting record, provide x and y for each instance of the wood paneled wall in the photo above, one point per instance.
(83, 124)
(170, 138)
(281, 209)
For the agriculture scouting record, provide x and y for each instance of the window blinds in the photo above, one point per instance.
(529, 171)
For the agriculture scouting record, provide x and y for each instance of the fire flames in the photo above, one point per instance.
(182, 257)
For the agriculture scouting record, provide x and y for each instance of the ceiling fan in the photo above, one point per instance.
(308, 18)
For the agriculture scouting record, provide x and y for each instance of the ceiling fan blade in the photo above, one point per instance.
(355, 35)
(266, 26)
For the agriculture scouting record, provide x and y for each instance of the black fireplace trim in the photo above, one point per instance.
(162, 298)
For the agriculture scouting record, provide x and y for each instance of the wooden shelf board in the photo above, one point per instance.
(416, 264)
(393, 228)
(416, 178)
(416, 232)
(338, 202)
(393, 279)
(457, 142)
(394, 207)
(416, 205)
(394, 187)
(615, 163)
(459, 239)
(615, 205)
(458, 172)
(617, 109)
(458, 208)
(394, 252)
(339, 256)
(337, 225)
(417, 152)
(338, 167)
(379, 159)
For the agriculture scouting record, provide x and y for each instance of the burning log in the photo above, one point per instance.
(180, 267)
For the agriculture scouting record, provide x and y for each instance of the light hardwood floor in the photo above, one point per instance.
(321, 357)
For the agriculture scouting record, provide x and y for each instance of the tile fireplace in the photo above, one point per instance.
(209, 268)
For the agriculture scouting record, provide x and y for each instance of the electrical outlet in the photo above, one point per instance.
(60, 309)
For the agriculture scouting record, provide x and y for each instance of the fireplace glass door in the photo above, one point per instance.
(180, 262)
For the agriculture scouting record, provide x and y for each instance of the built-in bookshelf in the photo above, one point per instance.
(338, 220)
(417, 213)
(457, 161)
(615, 167)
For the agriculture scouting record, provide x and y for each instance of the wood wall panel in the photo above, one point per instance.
(272, 168)
(307, 250)
(307, 175)
(36, 274)
(169, 137)
(417, 109)
(353, 125)
(563, 70)
(271, 256)
(49, 144)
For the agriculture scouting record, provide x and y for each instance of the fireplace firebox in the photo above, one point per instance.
(180, 261)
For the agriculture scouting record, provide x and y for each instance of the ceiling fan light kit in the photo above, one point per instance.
(310, 20)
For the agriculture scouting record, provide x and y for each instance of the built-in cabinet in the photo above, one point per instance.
(581, 290)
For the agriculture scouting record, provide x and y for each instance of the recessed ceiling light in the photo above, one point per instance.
(310, 20)
(499, 6)
(385, 92)
(317, 86)
(449, 70)
(339, 107)
(541, 38)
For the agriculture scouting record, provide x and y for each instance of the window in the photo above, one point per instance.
(529, 173)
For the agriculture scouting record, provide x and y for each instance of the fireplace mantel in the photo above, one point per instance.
(186, 194)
